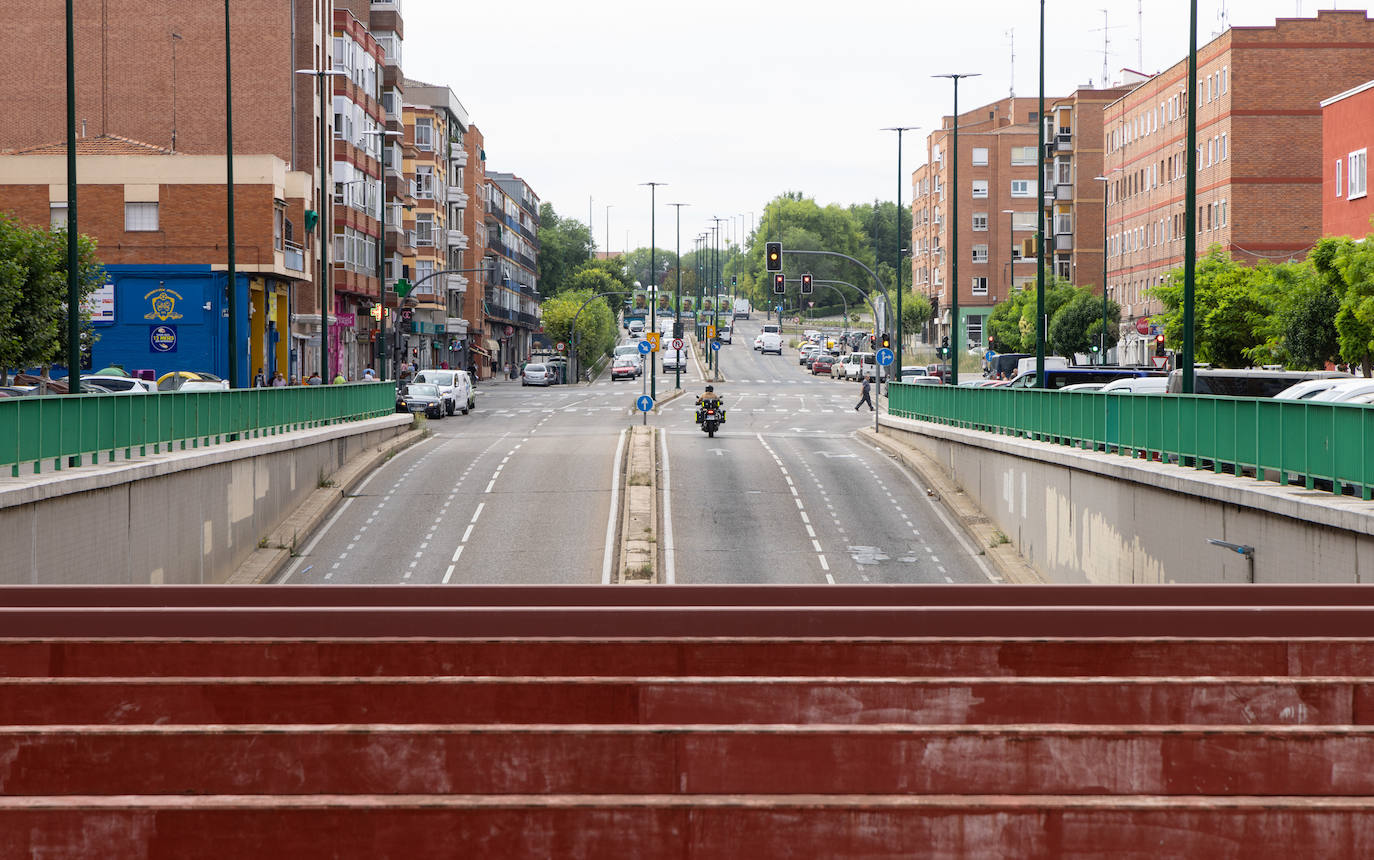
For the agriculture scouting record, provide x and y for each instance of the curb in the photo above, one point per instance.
(266, 562)
(639, 517)
(982, 531)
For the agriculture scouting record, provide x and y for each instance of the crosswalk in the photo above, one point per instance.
(744, 403)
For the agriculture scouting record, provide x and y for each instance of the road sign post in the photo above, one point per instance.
(883, 358)
(645, 404)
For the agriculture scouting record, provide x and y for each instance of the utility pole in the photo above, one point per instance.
(677, 303)
(954, 233)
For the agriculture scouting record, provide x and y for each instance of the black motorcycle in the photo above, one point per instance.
(710, 417)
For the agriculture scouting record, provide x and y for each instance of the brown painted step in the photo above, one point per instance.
(375, 760)
(1083, 701)
(691, 657)
(686, 828)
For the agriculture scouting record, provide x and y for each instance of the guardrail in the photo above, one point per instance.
(63, 430)
(1317, 442)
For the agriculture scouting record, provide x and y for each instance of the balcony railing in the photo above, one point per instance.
(1063, 192)
(295, 256)
(457, 196)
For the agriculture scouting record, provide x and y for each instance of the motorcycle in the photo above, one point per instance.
(710, 420)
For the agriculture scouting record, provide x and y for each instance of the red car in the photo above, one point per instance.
(822, 364)
(625, 368)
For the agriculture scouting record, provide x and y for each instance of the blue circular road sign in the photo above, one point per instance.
(645, 403)
(645, 347)
(715, 344)
(884, 356)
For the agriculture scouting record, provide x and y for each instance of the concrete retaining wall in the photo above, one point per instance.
(1081, 516)
(184, 517)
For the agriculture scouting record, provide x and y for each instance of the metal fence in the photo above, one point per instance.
(1318, 443)
(49, 433)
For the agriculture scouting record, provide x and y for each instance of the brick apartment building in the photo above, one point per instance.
(1347, 132)
(1259, 153)
(152, 172)
(512, 248)
(997, 165)
(482, 348)
(435, 122)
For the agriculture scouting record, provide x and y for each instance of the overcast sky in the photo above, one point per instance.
(732, 103)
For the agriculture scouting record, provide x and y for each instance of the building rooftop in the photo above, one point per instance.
(104, 144)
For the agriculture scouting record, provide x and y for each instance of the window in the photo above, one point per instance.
(980, 188)
(980, 253)
(1340, 189)
(424, 228)
(980, 221)
(974, 333)
(1063, 268)
(57, 212)
(1356, 178)
(423, 269)
(140, 217)
(278, 219)
(424, 181)
(1023, 221)
(1225, 73)
(1221, 214)
(980, 156)
(1022, 155)
(1019, 188)
(424, 133)
(1063, 223)
(1221, 149)
(1211, 151)
(980, 286)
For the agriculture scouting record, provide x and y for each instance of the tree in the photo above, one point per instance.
(878, 220)
(916, 312)
(33, 294)
(1347, 268)
(1229, 311)
(800, 224)
(564, 244)
(637, 264)
(1077, 327)
(1011, 325)
(596, 328)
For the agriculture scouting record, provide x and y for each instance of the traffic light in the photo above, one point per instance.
(734, 280)
(779, 283)
(886, 341)
(872, 340)
(1159, 345)
(772, 256)
(806, 286)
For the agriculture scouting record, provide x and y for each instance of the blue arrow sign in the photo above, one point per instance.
(715, 344)
(645, 403)
(884, 356)
(645, 347)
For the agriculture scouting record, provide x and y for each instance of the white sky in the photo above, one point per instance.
(732, 103)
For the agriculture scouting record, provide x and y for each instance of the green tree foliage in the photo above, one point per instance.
(33, 294)
(564, 245)
(1347, 269)
(916, 312)
(1077, 326)
(801, 224)
(1229, 310)
(878, 221)
(1012, 322)
(596, 324)
(637, 265)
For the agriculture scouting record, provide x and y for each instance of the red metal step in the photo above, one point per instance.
(772, 760)
(686, 828)
(629, 701)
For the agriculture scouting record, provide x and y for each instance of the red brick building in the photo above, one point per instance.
(1259, 153)
(1347, 132)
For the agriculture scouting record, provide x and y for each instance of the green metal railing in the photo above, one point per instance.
(64, 430)
(1315, 442)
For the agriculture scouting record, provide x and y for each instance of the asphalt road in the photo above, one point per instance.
(519, 490)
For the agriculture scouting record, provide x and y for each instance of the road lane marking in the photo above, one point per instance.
(669, 571)
(467, 533)
(477, 513)
(611, 518)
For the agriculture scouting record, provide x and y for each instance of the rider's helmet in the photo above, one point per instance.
(710, 389)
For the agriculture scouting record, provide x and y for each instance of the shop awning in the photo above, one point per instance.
(492, 346)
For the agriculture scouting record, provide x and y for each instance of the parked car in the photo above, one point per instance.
(1059, 377)
(916, 375)
(173, 380)
(1307, 389)
(629, 350)
(1345, 390)
(806, 350)
(187, 386)
(119, 384)
(536, 374)
(1136, 385)
(625, 367)
(420, 397)
(454, 388)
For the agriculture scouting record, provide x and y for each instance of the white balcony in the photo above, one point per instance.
(1063, 192)
(460, 158)
(457, 196)
(456, 283)
(457, 239)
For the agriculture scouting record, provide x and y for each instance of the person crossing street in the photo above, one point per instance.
(865, 398)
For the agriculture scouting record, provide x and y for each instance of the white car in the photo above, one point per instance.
(629, 350)
(758, 341)
(674, 359)
(1308, 389)
(1344, 391)
(455, 388)
(121, 384)
(1137, 385)
(770, 342)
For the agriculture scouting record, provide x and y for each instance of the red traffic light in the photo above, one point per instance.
(779, 283)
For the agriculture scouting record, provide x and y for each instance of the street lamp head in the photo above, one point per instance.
(321, 72)
(900, 128)
(956, 76)
(1008, 211)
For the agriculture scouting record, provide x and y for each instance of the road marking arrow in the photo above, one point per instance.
(831, 455)
(720, 452)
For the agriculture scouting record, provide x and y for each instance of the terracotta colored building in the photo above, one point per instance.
(1347, 132)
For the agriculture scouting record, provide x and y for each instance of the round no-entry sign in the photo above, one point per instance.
(560, 346)
(677, 343)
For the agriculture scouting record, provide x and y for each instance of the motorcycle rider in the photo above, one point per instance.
(710, 398)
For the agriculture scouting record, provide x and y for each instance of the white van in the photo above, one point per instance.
(772, 328)
(1052, 362)
(455, 388)
(771, 342)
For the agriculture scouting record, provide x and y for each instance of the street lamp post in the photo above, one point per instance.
(954, 231)
(653, 288)
(715, 295)
(1105, 180)
(677, 300)
(326, 228)
(232, 267)
(1190, 208)
(899, 129)
(73, 249)
(1040, 215)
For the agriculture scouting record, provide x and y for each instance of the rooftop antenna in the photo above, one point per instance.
(1106, 49)
(1223, 19)
(1011, 42)
(1140, 35)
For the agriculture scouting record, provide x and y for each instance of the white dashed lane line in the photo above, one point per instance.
(801, 508)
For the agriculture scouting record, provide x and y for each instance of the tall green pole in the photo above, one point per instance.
(234, 379)
(1040, 216)
(73, 251)
(1105, 184)
(897, 358)
(953, 235)
(653, 290)
(1190, 208)
(677, 311)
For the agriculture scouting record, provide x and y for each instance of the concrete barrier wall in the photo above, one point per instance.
(183, 517)
(1083, 516)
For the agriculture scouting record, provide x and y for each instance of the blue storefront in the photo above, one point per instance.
(164, 318)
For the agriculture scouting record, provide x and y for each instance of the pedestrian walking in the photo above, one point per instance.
(259, 381)
(865, 398)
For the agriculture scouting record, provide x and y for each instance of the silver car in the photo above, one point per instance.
(536, 374)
